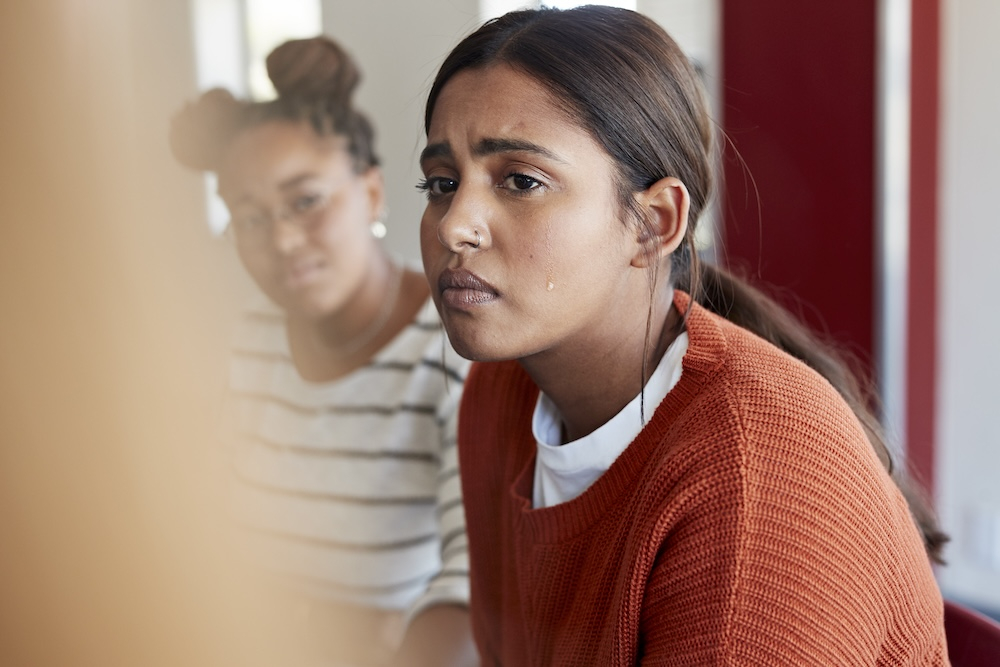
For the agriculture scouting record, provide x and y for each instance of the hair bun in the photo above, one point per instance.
(314, 68)
(201, 130)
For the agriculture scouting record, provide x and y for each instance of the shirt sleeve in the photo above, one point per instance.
(451, 584)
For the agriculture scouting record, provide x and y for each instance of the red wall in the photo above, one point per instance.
(799, 107)
(921, 349)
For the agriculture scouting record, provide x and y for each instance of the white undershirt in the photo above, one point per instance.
(564, 471)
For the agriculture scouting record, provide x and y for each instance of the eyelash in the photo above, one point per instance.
(534, 185)
(427, 185)
(306, 202)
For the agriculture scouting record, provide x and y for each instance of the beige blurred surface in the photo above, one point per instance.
(114, 308)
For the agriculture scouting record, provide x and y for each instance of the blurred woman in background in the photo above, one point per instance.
(343, 384)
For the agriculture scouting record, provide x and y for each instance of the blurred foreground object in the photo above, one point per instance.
(109, 317)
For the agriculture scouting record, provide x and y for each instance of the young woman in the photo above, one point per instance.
(344, 387)
(660, 466)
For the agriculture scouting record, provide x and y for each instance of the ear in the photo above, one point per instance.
(665, 205)
(375, 187)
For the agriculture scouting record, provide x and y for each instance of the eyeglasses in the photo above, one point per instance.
(257, 226)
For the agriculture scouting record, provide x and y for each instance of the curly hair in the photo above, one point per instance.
(315, 80)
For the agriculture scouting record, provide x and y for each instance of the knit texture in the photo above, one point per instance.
(749, 523)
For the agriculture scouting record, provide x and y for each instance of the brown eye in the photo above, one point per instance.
(306, 203)
(521, 182)
(437, 186)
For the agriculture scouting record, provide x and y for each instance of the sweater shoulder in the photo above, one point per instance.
(778, 482)
(773, 430)
(776, 394)
(801, 451)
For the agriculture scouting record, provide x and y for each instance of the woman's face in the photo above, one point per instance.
(523, 237)
(300, 215)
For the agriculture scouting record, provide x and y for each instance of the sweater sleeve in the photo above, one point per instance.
(797, 551)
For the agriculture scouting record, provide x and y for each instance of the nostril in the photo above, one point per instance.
(287, 237)
(459, 239)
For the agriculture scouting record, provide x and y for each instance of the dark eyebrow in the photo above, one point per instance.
(432, 151)
(284, 185)
(493, 146)
(295, 180)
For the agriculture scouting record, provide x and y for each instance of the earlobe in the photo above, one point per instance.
(665, 204)
(375, 185)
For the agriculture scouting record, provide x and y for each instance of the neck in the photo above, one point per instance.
(591, 383)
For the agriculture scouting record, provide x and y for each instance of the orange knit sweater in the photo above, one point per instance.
(749, 523)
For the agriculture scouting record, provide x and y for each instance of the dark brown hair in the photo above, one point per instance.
(315, 80)
(622, 78)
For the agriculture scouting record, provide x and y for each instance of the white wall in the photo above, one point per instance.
(399, 46)
(969, 307)
(696, 26)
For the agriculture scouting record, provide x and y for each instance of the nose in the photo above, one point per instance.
(464, 226)
(286, 235)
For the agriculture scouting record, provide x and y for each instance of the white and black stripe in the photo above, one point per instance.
(350, 487)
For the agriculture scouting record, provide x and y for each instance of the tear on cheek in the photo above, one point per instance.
(550, 286)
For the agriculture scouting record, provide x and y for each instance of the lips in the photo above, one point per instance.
(462, 289)
(301, 273)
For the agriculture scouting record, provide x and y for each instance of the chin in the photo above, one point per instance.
(467, 349)
(308, 307)
(477, 346)
(473, 353)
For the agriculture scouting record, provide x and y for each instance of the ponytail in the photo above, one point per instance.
(735, 299)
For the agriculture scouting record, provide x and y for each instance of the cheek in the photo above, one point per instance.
(258, 262)
(428, 237)
(345, 231)
(585, 276)
(262, 267)
(565, 252)
(432, 252)
(544, 263)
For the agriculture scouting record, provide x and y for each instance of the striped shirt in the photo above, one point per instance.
(350, 488)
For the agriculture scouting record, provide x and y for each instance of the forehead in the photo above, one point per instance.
(265, 155)
(499, 101)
